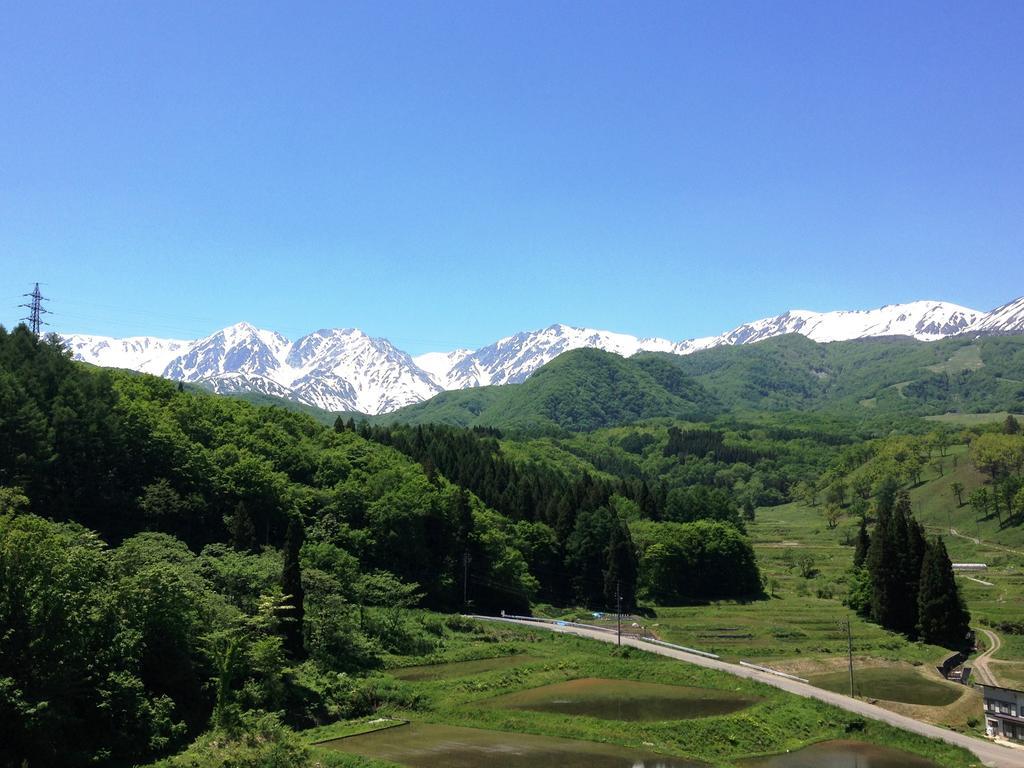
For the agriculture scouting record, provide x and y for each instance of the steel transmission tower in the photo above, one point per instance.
(36, 310)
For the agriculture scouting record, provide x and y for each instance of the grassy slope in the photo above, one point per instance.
(936, 507)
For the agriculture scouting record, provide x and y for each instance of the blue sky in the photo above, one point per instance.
(445, 174)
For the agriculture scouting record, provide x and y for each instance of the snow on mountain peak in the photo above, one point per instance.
(513, 358)
(343, 369)
(137, 353)
(438, 365)
(1009, 318)
(924, 320)
(240, 348)
(373, 375)
(336, 369)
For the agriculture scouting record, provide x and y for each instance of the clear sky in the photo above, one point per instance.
(446, 174)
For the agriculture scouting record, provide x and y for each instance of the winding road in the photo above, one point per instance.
(987, 752)
(989, 544)
(981, 669)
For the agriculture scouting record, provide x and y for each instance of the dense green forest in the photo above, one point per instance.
(867, 380)
(577, 391)
(171, 560)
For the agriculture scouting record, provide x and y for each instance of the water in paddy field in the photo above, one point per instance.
(842, 754)
(459, 668)
(422, 745)
(624, 700)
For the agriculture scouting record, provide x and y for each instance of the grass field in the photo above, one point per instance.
(965, 358)
(775, 722)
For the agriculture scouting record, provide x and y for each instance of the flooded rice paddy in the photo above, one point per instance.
(422, 745)
(624, 700)
(892, 684)
(842, 754)
(455, 669)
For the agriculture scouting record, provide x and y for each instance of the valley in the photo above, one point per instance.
(511, 385)
(720, 495)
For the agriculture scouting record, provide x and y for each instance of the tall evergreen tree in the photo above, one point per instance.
(910, 547)
(860, 553)
(884, 570)
(241, 528)
(942, 617)
(885, 494)
(291, 586)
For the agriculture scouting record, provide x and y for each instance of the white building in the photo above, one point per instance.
(1004, 712)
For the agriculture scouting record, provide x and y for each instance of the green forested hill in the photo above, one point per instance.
(580, 390)
(863, 380)
(169, 557)
(896, 375)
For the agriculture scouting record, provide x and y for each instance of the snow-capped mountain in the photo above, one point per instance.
(1007, 319)
(439, 364)
(365, 374)
(346, 370)
(924, 320)
(513, 358)
(239, 349)
(137, 353)
(338, 370)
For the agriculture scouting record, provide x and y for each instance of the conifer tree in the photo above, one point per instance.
(291, 586)
(883, 570)
(942, 617)
(241, 528)
(860, 554)
(908, 545)
(885, 492)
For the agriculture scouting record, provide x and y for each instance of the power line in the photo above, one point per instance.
(36, 310)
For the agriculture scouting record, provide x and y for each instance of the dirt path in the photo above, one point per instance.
(990, 544)
(980, 581)
(955, 532)
(989, 753)
(982, 671)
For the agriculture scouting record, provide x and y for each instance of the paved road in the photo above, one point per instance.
(982, 671)
(989, 753)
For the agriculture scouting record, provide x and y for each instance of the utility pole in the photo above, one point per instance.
(618, 609)
(465, 580)
(849, 647)
(36, 310)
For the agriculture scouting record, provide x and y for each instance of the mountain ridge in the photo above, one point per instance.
(347, 370)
